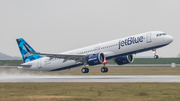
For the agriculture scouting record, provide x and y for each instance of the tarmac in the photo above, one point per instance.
(90, 78)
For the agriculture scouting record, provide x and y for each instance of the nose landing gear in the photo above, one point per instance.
(155, 56)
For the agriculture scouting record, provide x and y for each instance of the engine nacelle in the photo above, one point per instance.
(95, 59)
(124, 60)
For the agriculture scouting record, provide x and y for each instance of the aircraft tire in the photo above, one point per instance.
(85, 70)
(104, 69)
(156, 56)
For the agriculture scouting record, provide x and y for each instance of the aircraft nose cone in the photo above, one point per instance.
(170, 39)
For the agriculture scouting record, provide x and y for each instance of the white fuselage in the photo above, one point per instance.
(112, 50)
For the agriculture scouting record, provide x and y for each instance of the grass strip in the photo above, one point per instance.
(89, 91)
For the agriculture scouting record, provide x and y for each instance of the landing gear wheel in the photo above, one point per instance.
(85, 70)
(104, 69)
(156, 56)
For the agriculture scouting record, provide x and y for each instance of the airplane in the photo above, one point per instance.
(120, 50)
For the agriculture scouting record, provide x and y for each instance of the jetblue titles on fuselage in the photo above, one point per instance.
(130, 41)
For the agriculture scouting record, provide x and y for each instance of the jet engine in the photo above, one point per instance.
(95, 59)
(124, 60)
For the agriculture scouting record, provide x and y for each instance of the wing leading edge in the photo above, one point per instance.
(77, 58)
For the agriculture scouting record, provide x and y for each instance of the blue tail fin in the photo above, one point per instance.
(22, 44)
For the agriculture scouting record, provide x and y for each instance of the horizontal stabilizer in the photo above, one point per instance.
(24, 66)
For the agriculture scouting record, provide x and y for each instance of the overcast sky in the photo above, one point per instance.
(56, 26)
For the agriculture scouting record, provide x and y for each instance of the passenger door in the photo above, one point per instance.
(148, 37)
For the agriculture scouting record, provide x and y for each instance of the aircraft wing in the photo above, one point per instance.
(58, 55)
(77, 58)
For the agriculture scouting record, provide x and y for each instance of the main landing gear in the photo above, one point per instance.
(155, 56)
(104, 69)
(85, 69)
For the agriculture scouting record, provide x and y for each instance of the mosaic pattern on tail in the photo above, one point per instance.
(24, 52)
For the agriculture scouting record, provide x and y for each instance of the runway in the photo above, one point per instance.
(90, 78)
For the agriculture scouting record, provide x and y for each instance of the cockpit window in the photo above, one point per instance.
(161, 34)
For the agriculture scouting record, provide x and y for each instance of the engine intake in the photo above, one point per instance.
(124, 60)
(95, 59)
